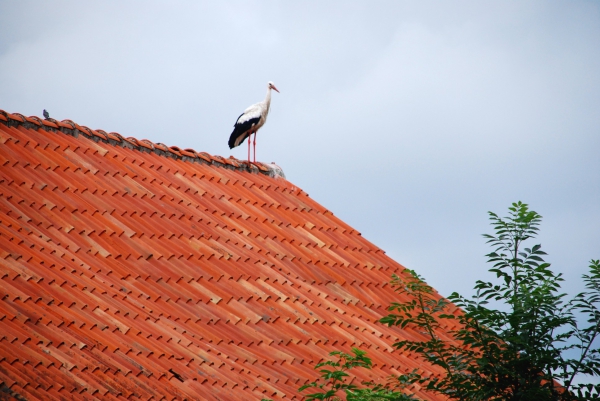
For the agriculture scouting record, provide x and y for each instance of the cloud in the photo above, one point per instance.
(408, 120)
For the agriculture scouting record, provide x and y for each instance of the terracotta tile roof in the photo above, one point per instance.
(130, 269)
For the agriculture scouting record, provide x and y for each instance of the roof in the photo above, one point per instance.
(133, 270)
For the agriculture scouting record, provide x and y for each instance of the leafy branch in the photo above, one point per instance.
(519, 351)
(335, 380)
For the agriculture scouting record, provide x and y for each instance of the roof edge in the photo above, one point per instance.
(71, 128)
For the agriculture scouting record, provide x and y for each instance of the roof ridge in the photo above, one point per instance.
(71, 128)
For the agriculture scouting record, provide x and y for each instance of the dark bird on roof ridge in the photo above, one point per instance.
(250, 121)
(46, 114)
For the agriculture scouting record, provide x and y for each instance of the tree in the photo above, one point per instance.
(531, 348)
(335, 380)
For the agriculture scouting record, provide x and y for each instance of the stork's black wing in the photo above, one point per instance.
(241, 130)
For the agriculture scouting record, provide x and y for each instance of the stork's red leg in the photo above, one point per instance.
(249, 140)
(254, 146)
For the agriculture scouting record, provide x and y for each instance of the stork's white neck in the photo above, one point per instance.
(268, 98)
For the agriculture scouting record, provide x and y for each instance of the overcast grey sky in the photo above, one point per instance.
(409, 120)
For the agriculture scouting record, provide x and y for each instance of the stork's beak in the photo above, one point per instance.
(273, 86)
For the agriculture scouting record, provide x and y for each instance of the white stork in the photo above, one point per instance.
(250, 121)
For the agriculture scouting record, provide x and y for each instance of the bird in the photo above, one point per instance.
(46, 114)
(250, 121)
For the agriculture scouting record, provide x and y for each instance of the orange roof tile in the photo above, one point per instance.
(133, 269)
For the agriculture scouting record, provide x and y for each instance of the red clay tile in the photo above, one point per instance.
(133, 269)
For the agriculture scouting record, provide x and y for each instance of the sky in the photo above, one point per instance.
(408, 120)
